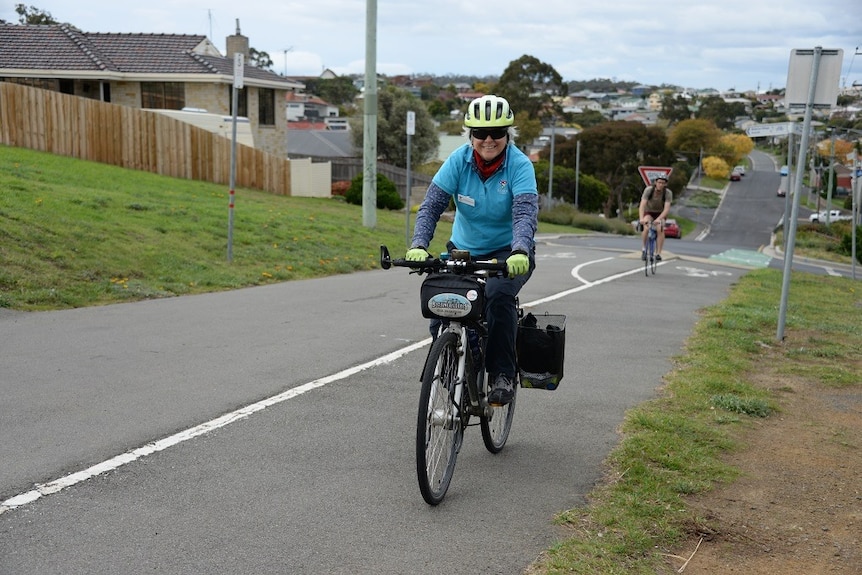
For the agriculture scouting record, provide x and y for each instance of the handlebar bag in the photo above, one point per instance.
(452, 296)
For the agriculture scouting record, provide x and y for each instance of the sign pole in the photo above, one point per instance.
(790, 232)
(238, 64)
(411, 129)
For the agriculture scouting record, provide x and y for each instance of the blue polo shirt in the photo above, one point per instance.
(483, 210)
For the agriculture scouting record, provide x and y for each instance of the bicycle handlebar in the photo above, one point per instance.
(458, 266)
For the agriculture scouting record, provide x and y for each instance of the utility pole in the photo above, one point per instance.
(577, 169)
(551, 167)
(831, 175)
(369, 146)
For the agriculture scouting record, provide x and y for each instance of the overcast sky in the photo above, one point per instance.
(724, 44)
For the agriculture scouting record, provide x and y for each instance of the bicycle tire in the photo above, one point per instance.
(439, 428)
(496, 428)
(647, 256)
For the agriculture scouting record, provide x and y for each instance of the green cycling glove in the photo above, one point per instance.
(518, 264)
(417, 255)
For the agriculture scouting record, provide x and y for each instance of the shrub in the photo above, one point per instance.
(847, 244)
(339, 188)
(387, 194)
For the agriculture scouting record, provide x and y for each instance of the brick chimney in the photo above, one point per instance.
(237, 44)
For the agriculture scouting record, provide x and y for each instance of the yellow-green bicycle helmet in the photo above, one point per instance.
(489, 112)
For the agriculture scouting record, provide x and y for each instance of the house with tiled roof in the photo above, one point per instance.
(305, 107)
(153, 71)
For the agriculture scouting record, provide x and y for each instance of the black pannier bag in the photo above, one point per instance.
(452, 296)
(541, 347)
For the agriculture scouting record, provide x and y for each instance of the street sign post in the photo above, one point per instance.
(777, 129)
(411, 130)
(649, 173)
(822, 92)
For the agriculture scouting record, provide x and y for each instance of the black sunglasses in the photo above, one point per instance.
(483, 133)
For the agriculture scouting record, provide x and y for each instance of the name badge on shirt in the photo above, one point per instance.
(467, 200)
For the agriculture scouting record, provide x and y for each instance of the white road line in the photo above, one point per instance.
(43, 489)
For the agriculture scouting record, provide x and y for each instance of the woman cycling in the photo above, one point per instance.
(493, 185)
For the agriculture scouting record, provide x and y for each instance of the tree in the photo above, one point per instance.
(33, 15)
(720, 112)
(392, 107)
(674, 109)
(716, 168)
(612, 152)
(259, 59)
(592, 194)
(339, 91)
(587, 118)
(841, 153)
(530, 86)
(691, 137)
(738, 145)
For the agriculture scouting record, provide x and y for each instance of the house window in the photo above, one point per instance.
(241, 101)
(163, 95)
(266, 106)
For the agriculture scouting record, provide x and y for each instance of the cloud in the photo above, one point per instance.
(733, 43)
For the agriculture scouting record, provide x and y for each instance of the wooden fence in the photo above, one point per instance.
(131, 138)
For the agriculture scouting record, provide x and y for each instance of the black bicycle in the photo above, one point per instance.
(455, 385)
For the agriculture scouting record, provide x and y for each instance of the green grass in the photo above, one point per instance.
(75, 234)
(673, 446)
(829, 243)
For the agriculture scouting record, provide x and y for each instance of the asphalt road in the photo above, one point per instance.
(271, 430)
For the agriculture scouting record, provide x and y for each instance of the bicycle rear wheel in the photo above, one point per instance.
(439, 429)
(495, 429)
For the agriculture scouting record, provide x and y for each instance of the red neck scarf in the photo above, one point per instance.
(487, 169)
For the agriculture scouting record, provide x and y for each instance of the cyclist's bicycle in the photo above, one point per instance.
(650, 262)
(455, 385)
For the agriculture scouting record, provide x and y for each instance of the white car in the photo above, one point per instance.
(739, 170)
(834, 216)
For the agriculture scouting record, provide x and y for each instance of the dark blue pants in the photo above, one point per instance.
(501, 313)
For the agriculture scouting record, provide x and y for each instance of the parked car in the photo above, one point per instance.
(784, 170)
(781, 193)
(740, 169)
(671, 229)
(734, 176)
(834, 216)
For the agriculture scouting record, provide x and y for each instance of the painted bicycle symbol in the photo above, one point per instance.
(700, 273)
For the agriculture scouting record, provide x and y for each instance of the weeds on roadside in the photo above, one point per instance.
(673, 446)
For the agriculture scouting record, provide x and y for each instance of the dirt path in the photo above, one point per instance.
(797, 507)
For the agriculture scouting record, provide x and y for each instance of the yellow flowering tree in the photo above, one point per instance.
(716, 168)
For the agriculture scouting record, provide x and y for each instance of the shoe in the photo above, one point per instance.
(643, 255)
(502, 392)
(658, 257)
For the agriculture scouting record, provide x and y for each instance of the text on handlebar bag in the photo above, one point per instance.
(451, 296)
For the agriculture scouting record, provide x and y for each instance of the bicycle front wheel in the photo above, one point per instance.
(438, 426)
(495, 429)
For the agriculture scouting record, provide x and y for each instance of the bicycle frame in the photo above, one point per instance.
(650, 262)
(449, 372)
